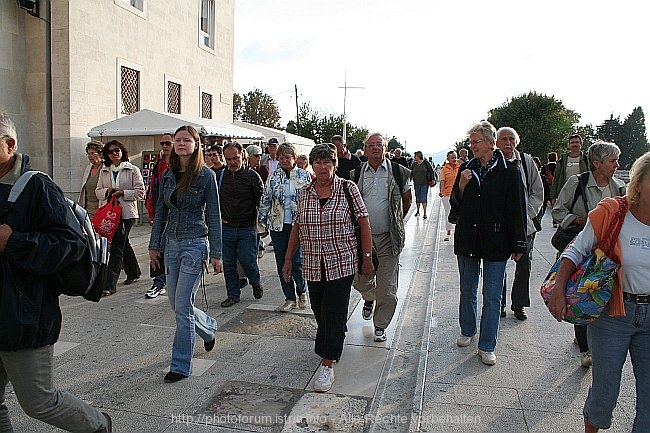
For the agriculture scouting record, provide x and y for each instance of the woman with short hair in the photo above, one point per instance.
(87, 198)
(421, 172)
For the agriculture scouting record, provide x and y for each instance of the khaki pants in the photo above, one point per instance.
(382, 286)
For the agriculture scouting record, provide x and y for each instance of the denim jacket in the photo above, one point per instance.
(196, 214)
(271, 213)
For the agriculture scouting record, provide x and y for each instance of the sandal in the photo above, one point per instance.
(417, 214)
(106, 293)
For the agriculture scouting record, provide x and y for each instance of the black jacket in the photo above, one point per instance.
(240, 195)
(346, 166)
(41, 243)
(491, 215)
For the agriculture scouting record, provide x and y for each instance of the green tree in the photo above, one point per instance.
(588, 134)
(543, 122)
(393, 144)
(635, 141)
(256, 107)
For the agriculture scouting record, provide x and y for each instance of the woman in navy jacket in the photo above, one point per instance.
(488, 197)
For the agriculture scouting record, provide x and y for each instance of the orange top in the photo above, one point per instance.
(448, 174)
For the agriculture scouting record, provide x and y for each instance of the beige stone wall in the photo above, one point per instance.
(161, 42)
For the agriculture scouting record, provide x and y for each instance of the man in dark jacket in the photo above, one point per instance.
(488, 198)
(35, 238)
(240, 191)
(346, 160)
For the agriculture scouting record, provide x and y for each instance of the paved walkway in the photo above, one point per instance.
(259, 377)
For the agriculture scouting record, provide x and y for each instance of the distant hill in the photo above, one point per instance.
(438, 157)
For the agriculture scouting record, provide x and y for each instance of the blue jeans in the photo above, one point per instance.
(184, 264)
(421, 192)
(610, 339)
(493, 275)
(239, 244)
(161, 280)
(280, 244)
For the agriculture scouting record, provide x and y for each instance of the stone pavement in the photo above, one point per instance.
(259, 377)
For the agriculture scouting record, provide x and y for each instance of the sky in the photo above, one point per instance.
(432, 68)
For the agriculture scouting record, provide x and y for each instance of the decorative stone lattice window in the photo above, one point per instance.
(173, 97)
(130, 90)
(206, 105)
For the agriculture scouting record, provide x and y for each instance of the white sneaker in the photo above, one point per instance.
(288, 306)
(325, 379)
(380, 334)
(585, 359)
(302, 301)
(154, 291)
(464, 341)
(487, 358)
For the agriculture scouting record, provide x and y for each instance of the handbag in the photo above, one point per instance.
(357, 234)
(563, 236)
(590, 287)
(107, 219)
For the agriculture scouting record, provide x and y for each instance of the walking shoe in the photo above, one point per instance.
(109, 423)
(243, 282)
(424, 217)
(487, 358)
(417, 214)
(366, 311)
(503, 311)
(209, 345)
(172, 377)
(130, 280)
(287, 306)
(258, 291)
(446, 238)
(229, 302)
(302, 301)
(260, 253)
(380, 334)
(154, 291)
(325, 379)
(585, 359)
(464, 341)
(520, 313)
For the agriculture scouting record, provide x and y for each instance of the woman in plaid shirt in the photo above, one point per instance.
(323, 228)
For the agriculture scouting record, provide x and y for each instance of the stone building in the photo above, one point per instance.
(69, 65)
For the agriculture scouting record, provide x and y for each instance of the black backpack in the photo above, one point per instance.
(87, 276)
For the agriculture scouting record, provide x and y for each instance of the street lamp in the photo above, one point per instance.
(345, 95)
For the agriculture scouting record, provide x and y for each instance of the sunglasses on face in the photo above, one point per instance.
(165, 143)
(115, 150)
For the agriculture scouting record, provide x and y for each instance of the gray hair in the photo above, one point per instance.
(376, 134)
(7, 126)
(600, 151)
(287, 149)
(486, 129)
(507, 129)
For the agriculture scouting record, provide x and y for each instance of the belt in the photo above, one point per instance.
(637, 299)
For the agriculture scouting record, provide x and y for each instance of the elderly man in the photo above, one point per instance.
(347, 160)
(507, 142)
(271, 159)
(35, 238)
(387, 208)
(398, 158)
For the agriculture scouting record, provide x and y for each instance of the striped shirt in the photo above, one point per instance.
(326, 232)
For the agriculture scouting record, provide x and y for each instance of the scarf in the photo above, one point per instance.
(483, 170)
(115, 174)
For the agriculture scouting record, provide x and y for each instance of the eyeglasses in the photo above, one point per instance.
(475, 142)
(115, 150)
(166, 143)
(375, 144)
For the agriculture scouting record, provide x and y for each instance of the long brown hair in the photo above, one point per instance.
(195, 165)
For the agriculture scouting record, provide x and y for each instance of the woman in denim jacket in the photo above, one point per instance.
(277, 212)
(188, 212)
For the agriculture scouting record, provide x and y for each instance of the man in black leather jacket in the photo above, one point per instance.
(36, 239)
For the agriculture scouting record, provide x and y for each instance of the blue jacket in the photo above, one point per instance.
(196, 214)
(42, 242)
(272, 206)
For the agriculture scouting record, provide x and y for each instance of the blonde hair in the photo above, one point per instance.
(640, 169)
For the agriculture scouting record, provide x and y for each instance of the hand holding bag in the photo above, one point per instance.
(590, 287)
(107, 218)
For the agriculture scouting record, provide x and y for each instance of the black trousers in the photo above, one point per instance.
(121, 250)
(329, 302)
(520, 294)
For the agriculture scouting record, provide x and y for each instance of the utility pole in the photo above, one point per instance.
(295, 86)
(345, 95)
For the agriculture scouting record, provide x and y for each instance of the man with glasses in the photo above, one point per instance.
(166, 144)
(35, 239)
(386, 192)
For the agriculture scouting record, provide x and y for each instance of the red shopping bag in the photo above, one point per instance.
(107, 218)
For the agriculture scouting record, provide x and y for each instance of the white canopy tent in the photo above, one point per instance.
(149, 122)
(303, 144)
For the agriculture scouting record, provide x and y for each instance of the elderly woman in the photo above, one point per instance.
(87, 198)
(572, 206)
(421, 172)
(121, 179)
(277, 213)
(448, 173)
(624, 324)
(323, 227)
(488, 197)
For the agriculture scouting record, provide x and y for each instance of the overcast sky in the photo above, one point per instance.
(432, 68)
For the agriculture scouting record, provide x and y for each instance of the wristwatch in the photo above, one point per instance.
(367, 255)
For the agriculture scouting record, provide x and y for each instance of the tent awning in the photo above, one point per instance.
(149, 122)
(282, 136)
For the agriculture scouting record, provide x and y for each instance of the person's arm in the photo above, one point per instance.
(536, 193)
(406, 201)
(366, 243)
(292, 247)
(137, 190)
(561, 211)
(265, 208)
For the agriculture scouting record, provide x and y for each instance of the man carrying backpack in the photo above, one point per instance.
(35, 238)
